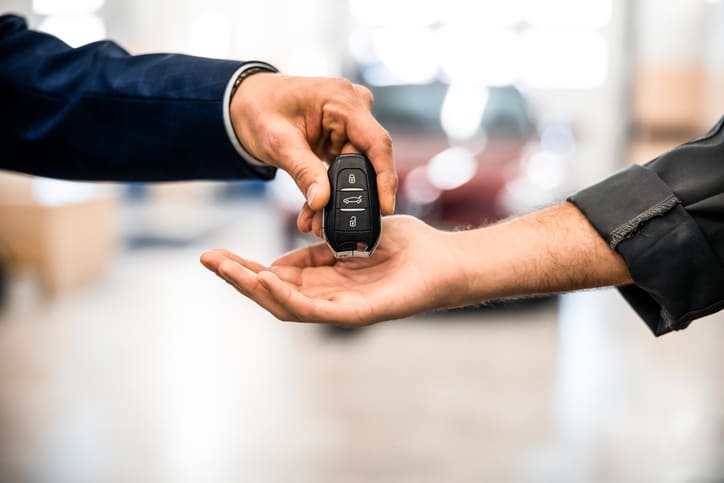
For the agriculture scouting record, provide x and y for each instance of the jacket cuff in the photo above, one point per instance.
(670, 260)
(264, 170)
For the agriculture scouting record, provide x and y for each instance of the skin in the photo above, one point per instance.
(297, 123)
(418, 268)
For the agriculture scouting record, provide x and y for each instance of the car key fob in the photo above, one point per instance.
(351, 221)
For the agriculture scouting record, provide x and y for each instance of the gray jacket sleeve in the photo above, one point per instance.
(666, 219)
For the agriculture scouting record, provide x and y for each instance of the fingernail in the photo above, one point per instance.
(311, 193)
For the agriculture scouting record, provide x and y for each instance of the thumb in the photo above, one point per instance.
(310, 175)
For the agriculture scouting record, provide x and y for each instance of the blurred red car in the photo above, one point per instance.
(451, 182)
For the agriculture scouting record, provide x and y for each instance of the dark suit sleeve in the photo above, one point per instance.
(667, 221)
(98, 113)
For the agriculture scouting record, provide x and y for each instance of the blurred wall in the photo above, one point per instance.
(20, 6)
(678, 71)
(685, 37)
(598, 115)
(299, 37)
(714, 59)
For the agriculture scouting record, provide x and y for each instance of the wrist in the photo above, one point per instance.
(476, 277)
(234, 112)
(243, 111)
(550, 251)
(504, 260)
(457, 266)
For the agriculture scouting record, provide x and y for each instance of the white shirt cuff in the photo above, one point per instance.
(245, 155)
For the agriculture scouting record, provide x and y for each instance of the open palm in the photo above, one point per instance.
(409, 272)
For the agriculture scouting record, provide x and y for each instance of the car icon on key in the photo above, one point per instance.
(352, 200)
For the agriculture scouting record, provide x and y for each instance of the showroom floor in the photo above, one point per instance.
(161, 373)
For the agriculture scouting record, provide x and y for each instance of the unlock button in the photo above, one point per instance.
(353, 220)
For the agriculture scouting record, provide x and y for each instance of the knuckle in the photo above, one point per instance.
(334, 112)
(368, 94)
(365, 94)
(394, 181)
(386, 139)
(343, 84)
(341, 96)
(226, 268)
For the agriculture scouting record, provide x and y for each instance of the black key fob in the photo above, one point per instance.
(351, 221)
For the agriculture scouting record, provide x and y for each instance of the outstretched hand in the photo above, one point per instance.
(296, 123)
(412, 270)
(417, 268)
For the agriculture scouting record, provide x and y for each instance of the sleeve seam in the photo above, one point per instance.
(627, 229)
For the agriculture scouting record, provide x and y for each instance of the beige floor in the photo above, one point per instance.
(161, 373)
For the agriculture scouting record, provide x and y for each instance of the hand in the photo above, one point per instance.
(413, 269)
(417, 268)
(295, 123)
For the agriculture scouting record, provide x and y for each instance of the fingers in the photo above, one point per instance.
(312, 256)
(367, 135)
(317, 224)
(243, 280)
(304, 220)
(350, 116)
(375, 141)
(286, 303)
(310, 175)
(211, 260)
(309, 220)
(242, 275)
(349, 148)
(246, 283)
(291, 275)
(365, 95)
(214, 258)
(306, 115)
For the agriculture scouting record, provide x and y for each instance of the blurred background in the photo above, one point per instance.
(123, 360)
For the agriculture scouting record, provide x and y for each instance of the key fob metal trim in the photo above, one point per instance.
(354, 201)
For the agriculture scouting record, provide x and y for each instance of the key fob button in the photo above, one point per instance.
(353, 220)
(351, 178)
(352, 199)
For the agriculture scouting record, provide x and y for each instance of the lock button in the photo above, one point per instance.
(351, 178)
